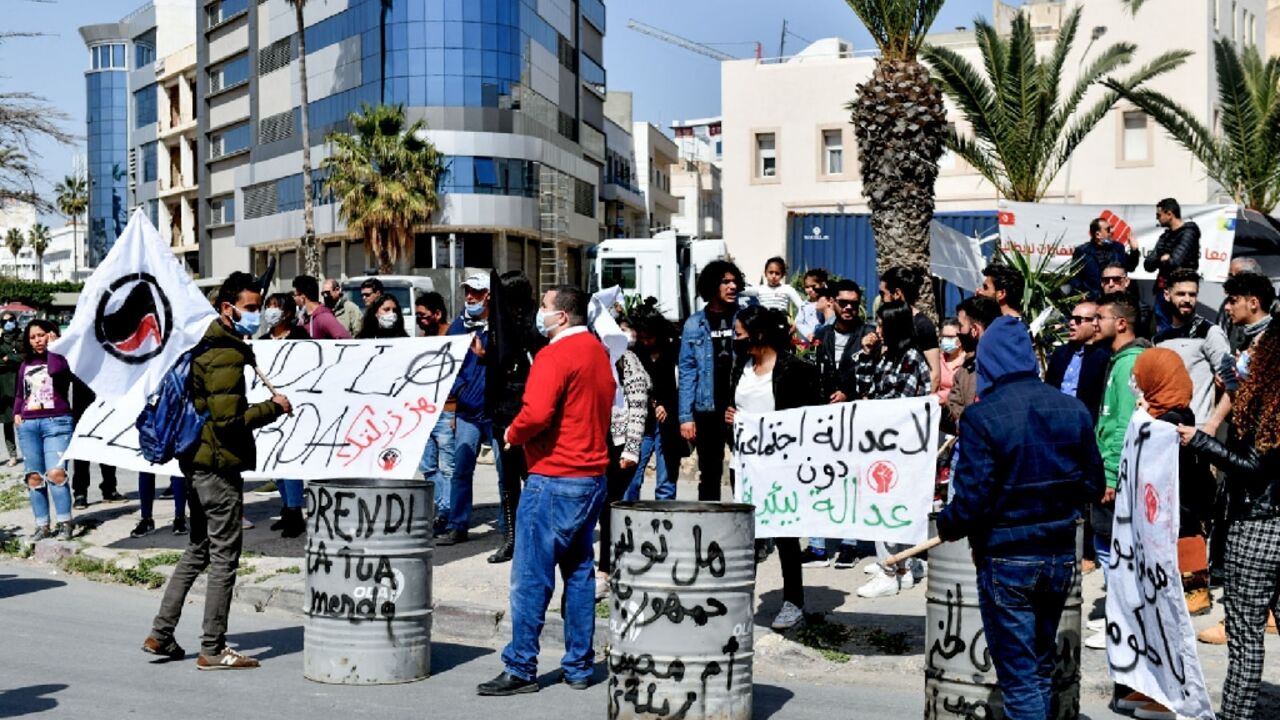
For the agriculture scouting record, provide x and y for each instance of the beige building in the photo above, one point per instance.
(789, 148)
(176, 153)
(655, 154)
(696, 187)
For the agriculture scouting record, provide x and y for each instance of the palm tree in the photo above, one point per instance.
(900, 122)
(1242, 158)
(1024, 126)
(385, 176)
(14, 240)
(73, 201)
(38, 237)
(308, 249)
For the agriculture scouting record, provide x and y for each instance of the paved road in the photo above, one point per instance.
(70, 650)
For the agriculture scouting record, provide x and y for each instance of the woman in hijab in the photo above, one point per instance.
(1161, 379)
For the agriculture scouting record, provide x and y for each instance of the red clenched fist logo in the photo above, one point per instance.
(1120, 230)
(1152, 500)
(882, 477)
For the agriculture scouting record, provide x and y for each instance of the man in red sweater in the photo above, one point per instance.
(564, 428)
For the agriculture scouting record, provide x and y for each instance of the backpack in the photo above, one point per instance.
(170, 425)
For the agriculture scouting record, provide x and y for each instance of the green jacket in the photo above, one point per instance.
(1118, 402)
(217, 385)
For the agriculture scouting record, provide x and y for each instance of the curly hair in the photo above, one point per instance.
(1257, 404)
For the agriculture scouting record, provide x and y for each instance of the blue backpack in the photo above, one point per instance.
(170, 424)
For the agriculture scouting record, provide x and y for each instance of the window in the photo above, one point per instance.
(277, 127)
(144, 106)
(618, 271)
(229, 73)
(833, 152)
(149, 173)
(143, 55)
(275, 56)
(222, 211)
(227, 141)
(107, 57)
(223, 10)
(486, 175)
(1134, 147)
(584, 198)
(766, 156)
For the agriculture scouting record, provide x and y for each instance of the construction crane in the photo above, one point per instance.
(685, 43)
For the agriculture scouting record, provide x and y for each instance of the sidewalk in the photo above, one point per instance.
(885, 636)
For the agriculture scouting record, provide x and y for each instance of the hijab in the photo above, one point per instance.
(1163, 380)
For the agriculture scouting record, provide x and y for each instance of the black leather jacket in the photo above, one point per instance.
(1181, 245)
(1253, 478)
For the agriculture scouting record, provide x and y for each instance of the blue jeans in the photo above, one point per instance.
(43, 442)
(554, 525)
(147, 494)
(437, 461)
(651, 446)
(467, 436)
(290, 493)
(1021, 600)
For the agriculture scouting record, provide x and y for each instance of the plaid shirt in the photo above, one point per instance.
(880, 377)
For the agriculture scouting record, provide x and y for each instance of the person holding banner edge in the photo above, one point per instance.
(767, 377)
(1028, 464)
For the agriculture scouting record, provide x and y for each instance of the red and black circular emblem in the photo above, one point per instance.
(134, 320)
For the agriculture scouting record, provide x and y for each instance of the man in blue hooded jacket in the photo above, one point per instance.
(1028, 464)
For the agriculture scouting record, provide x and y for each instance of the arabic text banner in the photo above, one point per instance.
(360, 409)
(1033, 228)
(1151, 643)
(860, 469)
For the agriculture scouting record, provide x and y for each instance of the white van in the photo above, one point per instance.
(404, 288)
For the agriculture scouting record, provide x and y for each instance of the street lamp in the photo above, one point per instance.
(1098, 31)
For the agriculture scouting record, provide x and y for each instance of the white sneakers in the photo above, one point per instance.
(1097, 641)
(884, 584)
(1097, 624)
(788, 617)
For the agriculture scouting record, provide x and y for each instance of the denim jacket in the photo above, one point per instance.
(697, 367)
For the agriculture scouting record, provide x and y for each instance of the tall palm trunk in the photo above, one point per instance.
(900, 122)
(308, 249)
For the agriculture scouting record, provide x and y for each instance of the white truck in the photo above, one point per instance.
(665, 266)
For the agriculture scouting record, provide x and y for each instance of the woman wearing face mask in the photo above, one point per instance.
(10, 359)
(280, 318)
(383, 320)
(767, 377)
(42, 412)
(952, 357)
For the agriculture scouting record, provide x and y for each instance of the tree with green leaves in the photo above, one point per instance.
(38, 238)
(72, 197)
(15, 241)
(1025, 123)
(1242, 159)
(308, 248)
(385, 174)
(900, 122)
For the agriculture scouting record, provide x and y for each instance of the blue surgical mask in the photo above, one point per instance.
(1242, 365)
(248, 323)
(474, 309)
(540, 322)
(949, 345)
(10, 326)
(272, 317)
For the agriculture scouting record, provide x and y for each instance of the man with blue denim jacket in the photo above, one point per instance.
(706, 372)
(1028, 465)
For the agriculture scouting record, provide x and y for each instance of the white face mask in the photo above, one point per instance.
(271, 317)
(386, 320)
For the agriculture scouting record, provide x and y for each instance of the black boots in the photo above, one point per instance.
(291, 523)
(510, 501)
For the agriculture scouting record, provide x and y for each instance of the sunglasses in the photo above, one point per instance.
(1112, 278)
(847, 303)
(366, 294)
(1082, 319)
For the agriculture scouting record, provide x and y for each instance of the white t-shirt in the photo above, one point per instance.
(755, 392)
(783, 297)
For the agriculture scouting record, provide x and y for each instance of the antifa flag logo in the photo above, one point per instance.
(134, 320)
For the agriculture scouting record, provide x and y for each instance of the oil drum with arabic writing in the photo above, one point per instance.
(681, 597)
(960, 681)
(368, 590)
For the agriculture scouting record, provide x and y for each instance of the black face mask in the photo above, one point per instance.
(968, 342)
(741, 346)
(330, 301)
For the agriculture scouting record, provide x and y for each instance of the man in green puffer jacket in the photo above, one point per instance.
(212, 472)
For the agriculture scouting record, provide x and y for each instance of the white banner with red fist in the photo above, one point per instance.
(861, 470)
(1040, 229)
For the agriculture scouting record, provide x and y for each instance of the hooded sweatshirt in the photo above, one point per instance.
(1028, 460)
(1118, 402)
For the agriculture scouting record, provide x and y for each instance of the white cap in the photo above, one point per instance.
(477, 281)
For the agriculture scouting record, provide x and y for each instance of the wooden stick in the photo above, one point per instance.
(271, 388)
(912, 551)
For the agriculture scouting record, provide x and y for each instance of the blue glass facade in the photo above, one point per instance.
(144, 106)
(108, 151)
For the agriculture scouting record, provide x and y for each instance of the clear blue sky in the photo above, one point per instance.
(669, 83)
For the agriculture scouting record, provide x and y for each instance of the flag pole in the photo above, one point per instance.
(271, 388)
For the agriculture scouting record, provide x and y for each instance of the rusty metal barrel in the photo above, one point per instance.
(960, 679)
(682, 595)
(368, 593)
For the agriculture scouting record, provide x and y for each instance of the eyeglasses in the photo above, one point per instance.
(847, 303)
(366, 293)
(1082, 319)
(1111, 279)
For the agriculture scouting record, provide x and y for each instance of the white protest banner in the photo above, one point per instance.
(137, 313)
(1033, 229)
(860, 469)
(1151, 644)
(361, 408)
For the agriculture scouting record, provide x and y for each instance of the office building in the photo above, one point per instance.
(655, 154)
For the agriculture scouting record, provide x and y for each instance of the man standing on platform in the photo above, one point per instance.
(1028, 464)
(564, 428)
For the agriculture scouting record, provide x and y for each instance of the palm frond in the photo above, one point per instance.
(898, 27)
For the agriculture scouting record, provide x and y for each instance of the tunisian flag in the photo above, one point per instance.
(137, 313)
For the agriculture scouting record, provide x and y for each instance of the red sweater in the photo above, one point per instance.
(564, 421)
